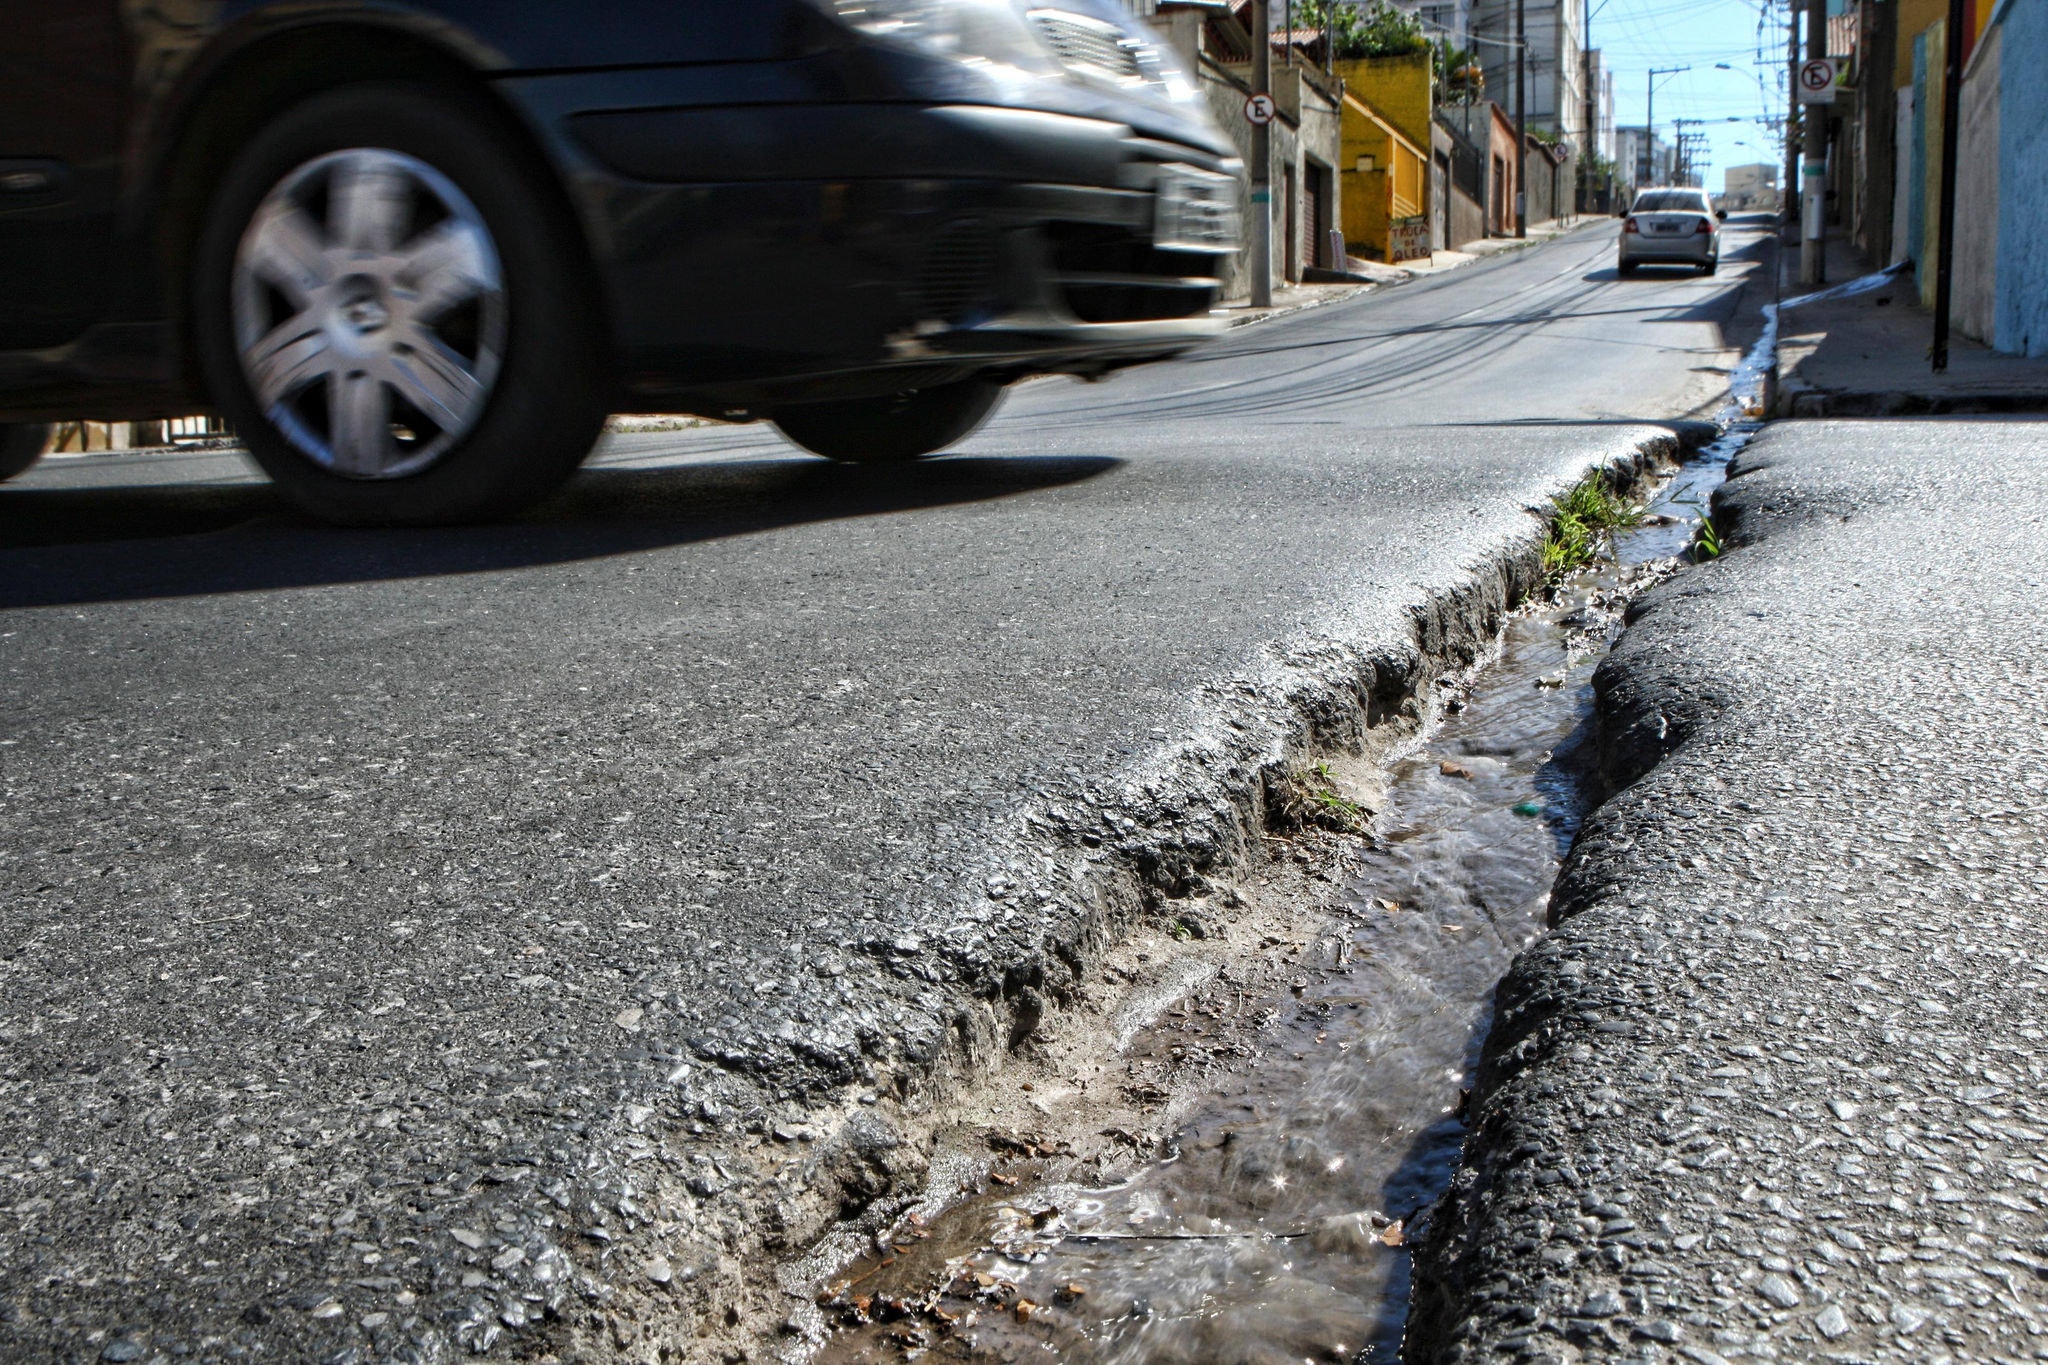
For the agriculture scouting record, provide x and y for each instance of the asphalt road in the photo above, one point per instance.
(1774, 1090)
(442, 936)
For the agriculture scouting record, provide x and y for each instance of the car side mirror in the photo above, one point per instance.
(1722, 214)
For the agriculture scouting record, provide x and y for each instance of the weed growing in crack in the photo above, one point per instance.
(1706, 537)
(1707, 543)
(1309, 799)
(1581, 522)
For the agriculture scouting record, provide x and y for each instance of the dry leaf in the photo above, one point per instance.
(1450, 769)
(1392, 1236)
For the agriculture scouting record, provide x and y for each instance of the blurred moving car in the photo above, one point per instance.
(416, 250)
(1671, 227)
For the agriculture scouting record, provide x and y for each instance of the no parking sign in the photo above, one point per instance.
(1817, 81)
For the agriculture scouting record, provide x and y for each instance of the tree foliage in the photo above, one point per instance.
(1460, 78)
(1373, 28)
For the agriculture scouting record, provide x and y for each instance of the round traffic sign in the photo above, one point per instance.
(1816, 75)
(1260, 109)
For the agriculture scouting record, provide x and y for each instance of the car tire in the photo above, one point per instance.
(893, 428)
(21, 445)
(1625, 269)
(1711, 266)
(394, 274)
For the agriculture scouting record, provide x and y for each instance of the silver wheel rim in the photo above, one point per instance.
(369, 311)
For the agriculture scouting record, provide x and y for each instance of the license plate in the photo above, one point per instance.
(1196, 211)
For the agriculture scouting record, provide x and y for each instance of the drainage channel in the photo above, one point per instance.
(1271, 1226)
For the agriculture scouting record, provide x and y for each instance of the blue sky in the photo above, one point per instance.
(1635, 35)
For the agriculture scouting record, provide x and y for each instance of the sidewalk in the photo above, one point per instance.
(1868, 355)
(1775, 1088)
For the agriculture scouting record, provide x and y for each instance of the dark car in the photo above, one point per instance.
(415, 250)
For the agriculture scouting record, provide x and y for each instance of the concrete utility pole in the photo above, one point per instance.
(1951, 116)
(1262, 159)
(1592, 111)
(1788, 198)
(1650, 122)
(1813, 189)
(1521, 117)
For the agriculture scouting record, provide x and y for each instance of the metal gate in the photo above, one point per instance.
(1316, 214)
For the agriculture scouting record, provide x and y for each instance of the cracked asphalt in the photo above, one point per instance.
(1776, 1088)
(524, 938)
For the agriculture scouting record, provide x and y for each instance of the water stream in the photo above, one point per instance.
(1272, 1227)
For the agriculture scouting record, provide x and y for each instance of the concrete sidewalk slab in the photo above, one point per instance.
(1869, 355)
(1777, 1086)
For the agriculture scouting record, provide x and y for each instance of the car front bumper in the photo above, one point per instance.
(756, 255)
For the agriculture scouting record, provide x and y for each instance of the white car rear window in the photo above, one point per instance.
(1672, 201)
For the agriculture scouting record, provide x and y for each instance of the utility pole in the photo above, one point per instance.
(1945, 245)
(1813, 190)
(1789, 198)
(1650, 120)
(1592, 110)
(1521, 117)
(1262, 159)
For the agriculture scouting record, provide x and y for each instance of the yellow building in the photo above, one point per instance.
(1385, 187)
(1384, 180)
(1400, 89)
(1385, 170)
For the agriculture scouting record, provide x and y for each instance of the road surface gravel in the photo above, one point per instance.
(528, 937)
(1776, 1087)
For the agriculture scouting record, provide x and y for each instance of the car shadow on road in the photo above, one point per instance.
(64, 547)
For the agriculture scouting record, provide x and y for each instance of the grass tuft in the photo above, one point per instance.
(1309, 799)
(1581, 522)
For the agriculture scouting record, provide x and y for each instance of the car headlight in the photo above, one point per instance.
(977, 32)
(1096, 41)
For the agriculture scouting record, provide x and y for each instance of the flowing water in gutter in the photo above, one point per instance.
(1271, 1227)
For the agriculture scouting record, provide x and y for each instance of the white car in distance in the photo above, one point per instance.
(1671, 227)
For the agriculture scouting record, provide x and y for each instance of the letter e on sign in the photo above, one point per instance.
(1260, 110)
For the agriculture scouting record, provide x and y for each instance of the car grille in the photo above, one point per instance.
(1089, 47)
(959, 273)
(1111, 274)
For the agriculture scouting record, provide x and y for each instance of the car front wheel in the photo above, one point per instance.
(21, 445)
(390, 306)
(892, 428)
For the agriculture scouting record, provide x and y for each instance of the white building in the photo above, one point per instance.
(1556, 70)
(1636, 168)
(1603, 105)
(1752, 186)
(1451, 19)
